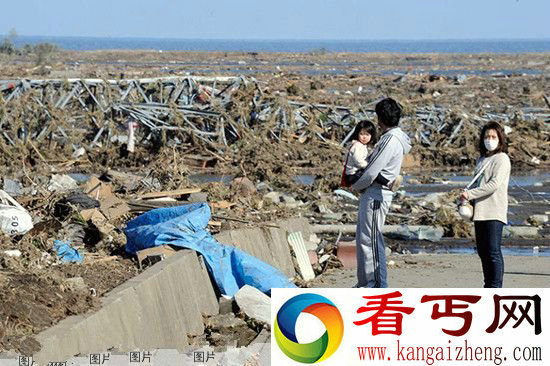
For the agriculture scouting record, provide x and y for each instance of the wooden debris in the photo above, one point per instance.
(179, 192)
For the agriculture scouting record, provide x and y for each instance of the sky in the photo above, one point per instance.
(280, 19)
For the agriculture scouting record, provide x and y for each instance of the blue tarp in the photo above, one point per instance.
(185, 226)
(67, 253)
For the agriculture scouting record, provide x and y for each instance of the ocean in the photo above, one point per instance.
(394, 46)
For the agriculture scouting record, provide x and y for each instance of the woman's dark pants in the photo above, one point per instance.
(488, 240)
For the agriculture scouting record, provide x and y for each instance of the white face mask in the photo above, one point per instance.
(490, 145)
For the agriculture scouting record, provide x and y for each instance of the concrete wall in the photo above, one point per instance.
(161, 306)
(156, 309)
(268, 243)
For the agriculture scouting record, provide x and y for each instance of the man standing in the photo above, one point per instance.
(375, 200)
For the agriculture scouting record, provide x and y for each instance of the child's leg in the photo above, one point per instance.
(352, 178)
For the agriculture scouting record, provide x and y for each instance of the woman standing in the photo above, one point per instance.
(489, 196)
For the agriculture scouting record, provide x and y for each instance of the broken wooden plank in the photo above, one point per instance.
(144, 206)
(178, 192)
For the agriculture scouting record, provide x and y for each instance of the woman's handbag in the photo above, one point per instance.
(465, 208)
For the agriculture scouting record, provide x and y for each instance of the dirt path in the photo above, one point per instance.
(448, 270)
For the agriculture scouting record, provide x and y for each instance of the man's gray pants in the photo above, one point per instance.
(371, 255)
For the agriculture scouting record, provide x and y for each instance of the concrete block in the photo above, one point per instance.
(251, 241)
(268, 244)
(263, 337)
(198, 197)
(156, 309)
(277, 246)
(56, 338)
(520, 232)
(162, 305)
(297, 224)
(254, 303)
(75, 284)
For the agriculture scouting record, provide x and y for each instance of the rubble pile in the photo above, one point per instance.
(229, 123)
(86, 214)
(80, 117)
(448, 137)
(435, 209)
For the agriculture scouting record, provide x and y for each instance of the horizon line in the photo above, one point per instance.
(289, 39)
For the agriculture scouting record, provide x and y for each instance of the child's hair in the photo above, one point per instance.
(365, 125)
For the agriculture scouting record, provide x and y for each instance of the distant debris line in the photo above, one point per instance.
(216, 112)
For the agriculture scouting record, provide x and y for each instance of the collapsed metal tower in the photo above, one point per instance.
(212, 109)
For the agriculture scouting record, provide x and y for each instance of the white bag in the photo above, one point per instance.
(466, 210)
(14, 219)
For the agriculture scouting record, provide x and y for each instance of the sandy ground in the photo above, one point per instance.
(448, 270)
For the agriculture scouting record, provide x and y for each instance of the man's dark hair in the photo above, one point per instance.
(365, 125)
(502, 144)
(388, 112)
